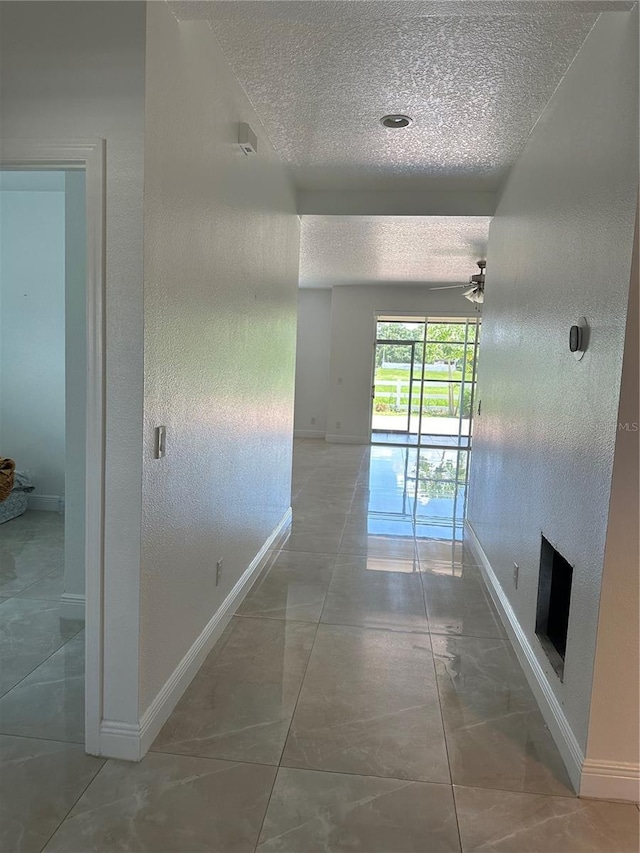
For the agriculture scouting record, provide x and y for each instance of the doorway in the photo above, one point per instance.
(42, 430)
(51, 543)
(423, 391)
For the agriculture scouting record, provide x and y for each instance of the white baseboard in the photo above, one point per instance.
(131, 742)
(72, 606)
(348, 439)
(308, 433)
(606, 780)
(552, 711)
(44, 503)
(120, 740)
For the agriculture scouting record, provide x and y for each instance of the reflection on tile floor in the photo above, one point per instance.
(364, 698)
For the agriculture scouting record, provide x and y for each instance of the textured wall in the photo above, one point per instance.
(76, 70)
(221, 268)
(614, 726)
(32, 428)
(353, 311)
(312, 360)
(559, 247)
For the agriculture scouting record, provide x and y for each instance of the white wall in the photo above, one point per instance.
(312, 362)
(76, 70)
(614, 724)
(353, 327)
(221, 270)
(32, 329)
(559, 248)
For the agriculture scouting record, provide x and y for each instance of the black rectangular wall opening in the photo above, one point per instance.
(554, 601)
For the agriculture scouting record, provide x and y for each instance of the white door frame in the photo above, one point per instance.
(87, 154)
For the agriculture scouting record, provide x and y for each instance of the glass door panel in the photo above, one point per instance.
(416, 390)
(444, 413)
(392, 387)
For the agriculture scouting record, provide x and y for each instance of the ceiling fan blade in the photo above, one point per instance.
(448, 286)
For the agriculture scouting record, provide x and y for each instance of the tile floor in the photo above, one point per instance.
(364, 698)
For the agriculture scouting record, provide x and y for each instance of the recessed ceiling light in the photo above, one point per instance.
(396, 120)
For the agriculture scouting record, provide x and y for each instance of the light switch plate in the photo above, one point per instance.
(161, 442)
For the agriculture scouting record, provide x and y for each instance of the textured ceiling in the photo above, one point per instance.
(321, 75)
(337, 250)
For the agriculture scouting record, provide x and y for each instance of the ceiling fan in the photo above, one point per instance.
(474, 289)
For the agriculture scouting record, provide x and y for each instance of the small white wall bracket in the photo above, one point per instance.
(247, 140)
(160, 443)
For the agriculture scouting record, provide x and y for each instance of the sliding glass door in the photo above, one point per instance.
(423, 393)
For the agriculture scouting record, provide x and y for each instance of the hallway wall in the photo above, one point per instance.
(76, 70)
(560, 248)
(312, 362)
(221, 269)
(614, 724)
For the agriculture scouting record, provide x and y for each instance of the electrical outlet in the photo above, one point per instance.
(337, 424)
(313, 420)
(218, 571)
(516, 572)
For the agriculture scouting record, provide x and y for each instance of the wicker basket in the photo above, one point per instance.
(7, 468)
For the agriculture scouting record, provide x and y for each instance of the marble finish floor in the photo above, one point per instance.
(364, 697)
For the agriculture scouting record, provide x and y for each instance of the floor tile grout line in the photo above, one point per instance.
(455, 812)
(369, 776)
(266, 809)
(245, 761)
(444, 736)
(453, 796)
(468, 636)
(400, 629)
(234, 761)
(324, 603)
(412, 780)
(40, 579)
(570, 796)
(24, 589)
(286, 738)
(279, 766)
(295, 707)
(387, 629)
(76, 801)
(45, 739)
(424, 599)
(279, 551)
(437, 685)
(6, 693)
